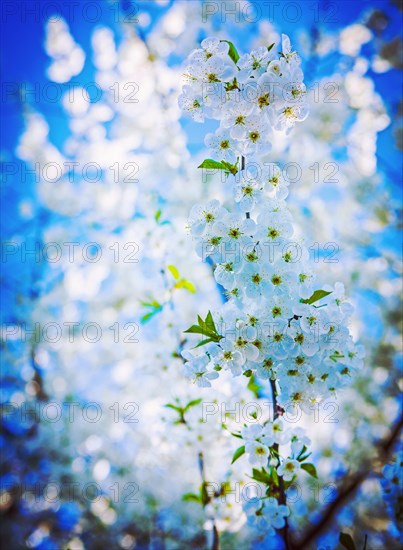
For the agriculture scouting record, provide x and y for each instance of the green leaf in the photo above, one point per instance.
(147, 316)
(174, 271)
(269, 48)
(238, 453)
(191, 497)
(210, 322)
(174, 407)
(157, 215)
(253, 386)
(202, 324)
(232, 52)
(187, 285)
(206, 328)
(317, 295)
(304, 449)
(195, 329)
(261, 475)
(204, 342)
(152, 303)
(210, 163)
(346, 540)
(216, 165)
(310, 469)
(302, 458)
(192, 403)
(303, 455)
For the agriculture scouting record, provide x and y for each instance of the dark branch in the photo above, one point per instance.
(282, 496)
(348, 487)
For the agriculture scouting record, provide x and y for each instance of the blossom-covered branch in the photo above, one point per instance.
(276, 325)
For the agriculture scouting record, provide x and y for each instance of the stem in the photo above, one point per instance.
(282, 496)
(216, 538)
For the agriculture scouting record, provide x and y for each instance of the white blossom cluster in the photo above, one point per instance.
(266, 517)
(251, 95)
(259, 438)
(277, 323)
(266, 514)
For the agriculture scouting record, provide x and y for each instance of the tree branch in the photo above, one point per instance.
(282, 496)
(349, 485)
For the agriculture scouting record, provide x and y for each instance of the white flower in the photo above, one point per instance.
(253, 64)
(210, 47)
(257, 134)
(209, 72)
(251, 433)
(262, 93)
(242, 344)
(255, 281)
(222, 145)
(273, 227)
(274, 180)
(209, 245)
(235, 230)
(266, 515)
(230, 357)
(290, 56)
(224, 274)
(305, 342)
(203, 216)
(266, 368)
(288, 469)
(191, 100)
(258, 453)
(235, 116)
(247, 194)
(196, 369)
(286, 117)
(274, 514)
(275, 432)
(298, 440)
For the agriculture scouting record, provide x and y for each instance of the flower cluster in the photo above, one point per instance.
(276, 324)
(259, 439)
(261, 445)
(266, 516)
(280, 336)
(251, 95)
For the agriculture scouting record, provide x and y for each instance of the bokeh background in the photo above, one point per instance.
(98, 177)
